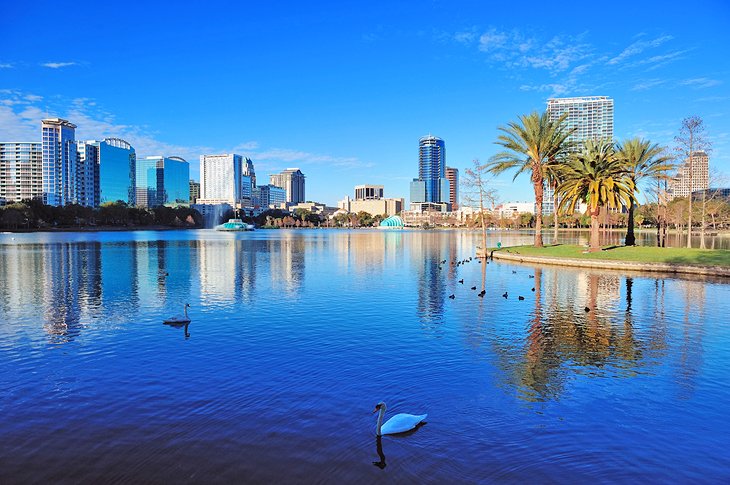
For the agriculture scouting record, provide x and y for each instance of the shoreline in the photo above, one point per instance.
(667, 268)
(98, 229)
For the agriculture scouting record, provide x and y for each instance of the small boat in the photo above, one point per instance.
(235, 225)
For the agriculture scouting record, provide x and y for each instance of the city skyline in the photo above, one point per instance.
(492, 68)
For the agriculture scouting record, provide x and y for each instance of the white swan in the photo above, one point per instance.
(399, 423)
(179, 319)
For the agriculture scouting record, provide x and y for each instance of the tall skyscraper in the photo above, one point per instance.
(220, 179)
(431, 185)
(249, 171)
(291, 180)
(591, 116)
(679, 186)
(162, 181)
(59, 161)
(452, 175)
(87, 174)
(21, 171)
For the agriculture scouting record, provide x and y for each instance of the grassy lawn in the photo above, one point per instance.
(641, 254)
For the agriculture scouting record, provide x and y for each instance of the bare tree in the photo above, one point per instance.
(691, 139)
(708, 196)
(475, 187)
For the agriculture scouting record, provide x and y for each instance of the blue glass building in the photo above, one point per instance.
(117, 171)
(59, 161)
(431, 184)
(162, 181)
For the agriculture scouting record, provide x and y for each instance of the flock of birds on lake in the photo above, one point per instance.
(481, 294)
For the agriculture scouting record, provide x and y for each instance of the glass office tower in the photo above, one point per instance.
(162, 181)
(117, 171)
(431, 184)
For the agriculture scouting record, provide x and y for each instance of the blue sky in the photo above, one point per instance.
(344, 90)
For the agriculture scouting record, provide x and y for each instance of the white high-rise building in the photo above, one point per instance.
(59, 161)
(221, 179)
(679, 186)
(591, 116)
(21, 171)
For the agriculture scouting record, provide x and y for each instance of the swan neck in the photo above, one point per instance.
(186, 311)
(380, 420)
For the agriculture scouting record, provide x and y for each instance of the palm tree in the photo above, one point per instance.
(641, 160)
(597, 177)
(532, 145)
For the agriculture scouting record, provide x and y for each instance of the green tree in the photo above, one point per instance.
(597, 177)
(641, 160)
(532, 145)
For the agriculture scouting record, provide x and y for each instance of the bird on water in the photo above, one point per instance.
(400, 423)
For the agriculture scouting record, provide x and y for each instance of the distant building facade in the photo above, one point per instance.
(194, 191)
(368, 192)
(266, 196)
(590, 116)
(292, 181)
(21, 171)
(162, 181)
(592, 119)
(369, 198)
(680, 186)
(106, 172)
(220, 179)
(87, 174)
(452, 175)
(431, 185)
(59, 161)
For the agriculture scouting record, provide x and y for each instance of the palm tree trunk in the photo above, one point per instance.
(630, 237)
(538, 212)
(595, 244)
(555, 214)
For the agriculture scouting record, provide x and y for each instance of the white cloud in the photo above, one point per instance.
(515, 49)
(648, 84)
(20, 118)
(465, 37)
(6, 66)
(638, 47)
(58, 65)
(700, 82)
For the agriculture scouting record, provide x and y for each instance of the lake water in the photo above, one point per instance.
(297, 334)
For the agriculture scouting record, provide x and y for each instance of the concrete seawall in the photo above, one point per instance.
(616, 265)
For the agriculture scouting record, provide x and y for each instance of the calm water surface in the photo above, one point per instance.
(296, 335)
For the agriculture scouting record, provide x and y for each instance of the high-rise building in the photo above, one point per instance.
(249, 171)
(162, 181)
(21, 171)
(117, 171)
(431, 185)
(87, 174)
(452, 175)
(592, 119)
(194, 191)
(679, 186)
(59, 161)
(591, 116)
(291, 180)
(220, 179)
